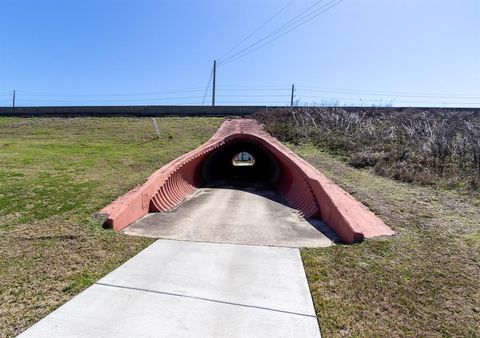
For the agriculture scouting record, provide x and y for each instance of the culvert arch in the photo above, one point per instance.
(219, 167)
(303, 186)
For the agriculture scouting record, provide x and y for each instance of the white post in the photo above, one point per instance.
(156, 127)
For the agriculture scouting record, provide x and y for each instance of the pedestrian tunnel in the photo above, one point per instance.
(240, 161)
(242, 152)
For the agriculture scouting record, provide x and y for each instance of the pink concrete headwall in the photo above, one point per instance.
(305, 188)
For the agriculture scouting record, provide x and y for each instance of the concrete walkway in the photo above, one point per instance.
(226, 215)
(189, 289)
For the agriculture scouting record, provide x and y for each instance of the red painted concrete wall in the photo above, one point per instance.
(300, 183)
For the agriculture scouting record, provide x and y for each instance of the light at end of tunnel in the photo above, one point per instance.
(243, 159)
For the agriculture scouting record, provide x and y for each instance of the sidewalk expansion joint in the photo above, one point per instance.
(204, 299)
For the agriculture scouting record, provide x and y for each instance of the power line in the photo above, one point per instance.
(275, 31)
(253, 95)
(299, 20)
(253, 87)
(257, 29)
(208, 86)
(392, 100)
(117, 100)
(385, 93)
(291, 25)
(50, 94)
(72, 104)
(267, 88)
(254, 92)
(251, 90)
(232, 59)
(258, 88)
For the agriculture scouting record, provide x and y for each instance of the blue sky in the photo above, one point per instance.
(409, 52)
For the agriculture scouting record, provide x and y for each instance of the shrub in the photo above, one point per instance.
(426, 146)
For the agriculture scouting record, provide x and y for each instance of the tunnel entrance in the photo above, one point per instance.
(242, 151)
(241, 162)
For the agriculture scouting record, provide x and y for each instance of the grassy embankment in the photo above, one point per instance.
(423, 282)
(54, 174)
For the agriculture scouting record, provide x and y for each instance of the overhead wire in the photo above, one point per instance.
(116, 100)
(50, 94)
(386, 93)
(254, 91)
(279, 28)
(301, 19)
(208, 86)
(391, 100)
(245, 39)
(253, 95)
(246, 88)
(257, 29)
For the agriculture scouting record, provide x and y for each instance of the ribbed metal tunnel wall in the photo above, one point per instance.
(179, 184)
(215, 165)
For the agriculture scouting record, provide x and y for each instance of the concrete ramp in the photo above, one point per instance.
(304, 187)
(186, 289)
(237, 216)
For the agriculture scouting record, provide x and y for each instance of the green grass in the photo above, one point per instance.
(423, 282)
(55, 173)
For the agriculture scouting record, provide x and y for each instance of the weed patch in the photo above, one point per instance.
(423, 282)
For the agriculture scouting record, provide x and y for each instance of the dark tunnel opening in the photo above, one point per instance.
(241, 162)
(241, 151)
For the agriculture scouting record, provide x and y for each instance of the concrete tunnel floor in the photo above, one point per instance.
(227, 214)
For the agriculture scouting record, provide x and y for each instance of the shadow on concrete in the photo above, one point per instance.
(267, 190)
(259, 188)
(325, 229)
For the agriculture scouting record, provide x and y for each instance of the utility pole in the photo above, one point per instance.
(291, 99)
(13, 101)
(214, 81)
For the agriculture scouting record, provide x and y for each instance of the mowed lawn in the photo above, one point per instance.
(56, 173)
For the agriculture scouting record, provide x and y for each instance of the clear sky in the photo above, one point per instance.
(405, 52)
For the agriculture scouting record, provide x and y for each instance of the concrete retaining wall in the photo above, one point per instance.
(107, 111)
(131, 111)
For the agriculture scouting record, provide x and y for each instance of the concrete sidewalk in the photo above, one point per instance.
(192, 289)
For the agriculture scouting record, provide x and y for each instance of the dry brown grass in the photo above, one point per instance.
(424, 282)
(438, 147)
